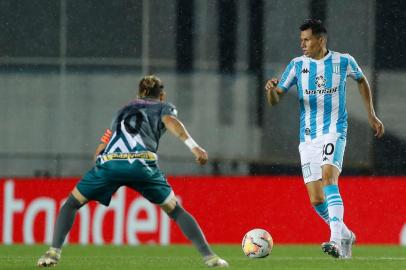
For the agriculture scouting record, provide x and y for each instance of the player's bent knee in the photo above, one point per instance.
(78, 196)
(168, 207)
(173, 214)
(315, 191)
(316, 198)
(317, 201)
(73, 203)
(169, 204)
(330, 174)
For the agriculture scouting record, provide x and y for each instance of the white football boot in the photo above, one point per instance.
(346, 245)
(333, 249)
(50, 258)
(215, 261)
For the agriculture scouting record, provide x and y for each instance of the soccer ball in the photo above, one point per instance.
(257, 243)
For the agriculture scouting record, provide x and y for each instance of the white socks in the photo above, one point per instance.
(332, 212)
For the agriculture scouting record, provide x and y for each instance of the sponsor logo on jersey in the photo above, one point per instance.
(321, 91)
(320, 81)
(123, 156)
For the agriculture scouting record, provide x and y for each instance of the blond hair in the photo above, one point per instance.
(150, 86)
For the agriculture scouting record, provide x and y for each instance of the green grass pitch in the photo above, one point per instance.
(185, 257)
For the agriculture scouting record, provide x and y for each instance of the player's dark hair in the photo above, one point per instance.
(318, 29)
(150, 86)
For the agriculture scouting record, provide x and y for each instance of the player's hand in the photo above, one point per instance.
(200, 154)
(377, 126)
(271, 85)
(273, 93)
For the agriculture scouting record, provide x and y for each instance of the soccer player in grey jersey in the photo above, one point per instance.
(127, 156)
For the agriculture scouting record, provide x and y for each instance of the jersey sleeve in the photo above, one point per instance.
(169, 109)
(288, 78)
(353, 70)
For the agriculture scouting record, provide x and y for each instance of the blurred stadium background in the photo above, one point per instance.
(66, 66)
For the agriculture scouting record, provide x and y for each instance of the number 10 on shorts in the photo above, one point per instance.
(328, 149)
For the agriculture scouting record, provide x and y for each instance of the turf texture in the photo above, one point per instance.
(75, 257)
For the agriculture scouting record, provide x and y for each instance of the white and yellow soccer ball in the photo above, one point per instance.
(257, 243)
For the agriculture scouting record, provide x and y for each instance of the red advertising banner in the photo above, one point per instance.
(225, 207)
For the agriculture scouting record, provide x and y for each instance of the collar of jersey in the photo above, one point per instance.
(322, 59)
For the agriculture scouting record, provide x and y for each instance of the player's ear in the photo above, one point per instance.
(323, 39)
(162, 95)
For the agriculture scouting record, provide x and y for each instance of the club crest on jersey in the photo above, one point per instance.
(320, 81)
(336, 68)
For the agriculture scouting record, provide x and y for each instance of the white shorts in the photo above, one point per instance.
(326, 149)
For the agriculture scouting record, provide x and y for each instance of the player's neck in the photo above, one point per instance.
(149, 98)
(323, 52)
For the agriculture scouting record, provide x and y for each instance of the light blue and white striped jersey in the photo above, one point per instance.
(321, 87)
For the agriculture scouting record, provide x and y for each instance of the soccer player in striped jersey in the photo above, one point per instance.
(320, 77)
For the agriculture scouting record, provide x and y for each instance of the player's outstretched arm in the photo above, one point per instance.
(365, 91)
(273, 93)
(176, 127)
